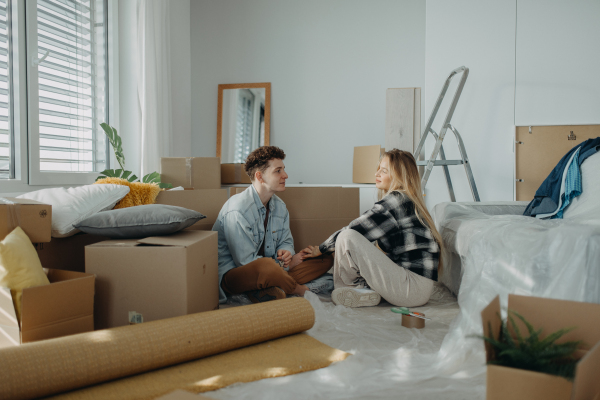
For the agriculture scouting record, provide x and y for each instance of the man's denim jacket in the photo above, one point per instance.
(241, 228)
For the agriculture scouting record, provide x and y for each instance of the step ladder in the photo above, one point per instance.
(439, 138)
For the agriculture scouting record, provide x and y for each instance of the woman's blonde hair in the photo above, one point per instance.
(406, 180)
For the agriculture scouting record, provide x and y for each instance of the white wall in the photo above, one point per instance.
(558, 62)
(329, 62)
(481, 36)
(129, 120)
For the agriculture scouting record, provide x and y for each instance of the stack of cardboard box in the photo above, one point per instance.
(65, 307)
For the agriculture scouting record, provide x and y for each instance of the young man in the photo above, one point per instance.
(254, 232)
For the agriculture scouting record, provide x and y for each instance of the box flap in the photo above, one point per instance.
(183, 238)
(58, 275)
(552, 315)
(22, 201)
(116, 243)
(586, 384)
(490, 316)
(9, 326)
(57, 302)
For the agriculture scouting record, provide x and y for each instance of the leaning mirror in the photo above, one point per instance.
(243, 120)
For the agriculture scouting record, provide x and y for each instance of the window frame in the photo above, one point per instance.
(37, 177)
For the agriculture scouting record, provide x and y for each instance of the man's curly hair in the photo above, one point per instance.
(259, 159)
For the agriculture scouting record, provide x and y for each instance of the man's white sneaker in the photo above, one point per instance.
(351, 297)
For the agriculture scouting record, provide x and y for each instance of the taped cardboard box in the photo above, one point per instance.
(550, 315)
(154, 278)
(65, 307)
(195, 172)
(234, 173)
(317, 212)
(206, 201)
(33, 217)
(365, 162)
(66, 253)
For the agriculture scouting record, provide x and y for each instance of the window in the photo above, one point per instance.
(6, 133)
(50, 123)
(67, 90)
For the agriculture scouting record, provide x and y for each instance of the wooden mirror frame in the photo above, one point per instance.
(266, 86)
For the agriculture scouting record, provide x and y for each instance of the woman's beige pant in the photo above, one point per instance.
(357, 260)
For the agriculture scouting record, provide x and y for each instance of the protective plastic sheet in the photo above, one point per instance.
(499, 254)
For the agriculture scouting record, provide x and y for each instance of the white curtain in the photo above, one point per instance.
(154, 82)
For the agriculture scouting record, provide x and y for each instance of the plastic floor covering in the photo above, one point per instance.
(389, 361)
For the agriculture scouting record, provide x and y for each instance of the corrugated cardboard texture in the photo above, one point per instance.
(100, 356)
(65, 307)
(182, 395)
(550, 315)
(33, 217)
(196, 172)
(518, 384)
(67, 253)
(366, 160)
(541, 150)
(234, 173)
(206, 201)
(158, 277)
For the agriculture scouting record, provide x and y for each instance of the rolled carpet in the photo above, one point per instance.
(52, 366)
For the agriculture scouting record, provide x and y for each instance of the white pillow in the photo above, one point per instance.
(586, 205)
(73, 205)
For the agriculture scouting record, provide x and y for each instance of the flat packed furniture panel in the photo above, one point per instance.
(539, 148)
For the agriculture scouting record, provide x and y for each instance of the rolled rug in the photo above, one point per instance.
(52, 366)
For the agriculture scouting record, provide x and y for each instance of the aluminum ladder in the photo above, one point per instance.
(439, 138)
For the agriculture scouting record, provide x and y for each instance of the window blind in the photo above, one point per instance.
(6, 140)
(72, 84)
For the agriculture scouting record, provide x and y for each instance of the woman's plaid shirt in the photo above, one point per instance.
(392, 222)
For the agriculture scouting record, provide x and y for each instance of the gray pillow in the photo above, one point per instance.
(140, 221)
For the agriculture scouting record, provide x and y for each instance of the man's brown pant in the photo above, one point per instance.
(266, 272)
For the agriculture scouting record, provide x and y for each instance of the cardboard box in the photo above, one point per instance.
(234, 173)
(550, 315)
(206, 201)
(66, 253)
(196, 172)
(317, 212)
(365, 162)
(33, 217)
(65, 307)
(154, 278)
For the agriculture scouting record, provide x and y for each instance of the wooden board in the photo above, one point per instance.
(538, 152)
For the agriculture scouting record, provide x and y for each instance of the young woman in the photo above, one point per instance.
(405, 259)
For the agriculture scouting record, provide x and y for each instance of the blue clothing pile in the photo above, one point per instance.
(563, 184)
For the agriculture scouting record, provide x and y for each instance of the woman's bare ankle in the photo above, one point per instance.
(300, 290)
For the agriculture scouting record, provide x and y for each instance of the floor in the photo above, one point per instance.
(389, 360)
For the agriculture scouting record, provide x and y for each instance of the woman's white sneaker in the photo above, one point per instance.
(352, 297)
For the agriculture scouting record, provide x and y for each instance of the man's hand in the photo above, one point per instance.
(285, 256)
(311, 252)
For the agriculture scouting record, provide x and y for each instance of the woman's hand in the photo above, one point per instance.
(285, 256)
(311, 252)
(297, 259)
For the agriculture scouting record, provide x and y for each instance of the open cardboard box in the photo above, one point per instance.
(550, 315)
(206, 201)
(33, 217)
(195, 172)
(154, 278)
(65, 307)
(364, 164)
(66, 253)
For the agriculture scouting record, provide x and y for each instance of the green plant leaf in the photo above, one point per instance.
(165, 185)
(118, 173)
(115, 141)
(153, 177)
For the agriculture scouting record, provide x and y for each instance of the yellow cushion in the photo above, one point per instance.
(20, 266)
(139, 193)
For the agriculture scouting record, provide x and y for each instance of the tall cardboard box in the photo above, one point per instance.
(33, 217)
(64, 307)
(154, 278)
(194, 172)
(234, 173)
(66, 253)
(206, 201)
(365, 162)
(550, 315)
